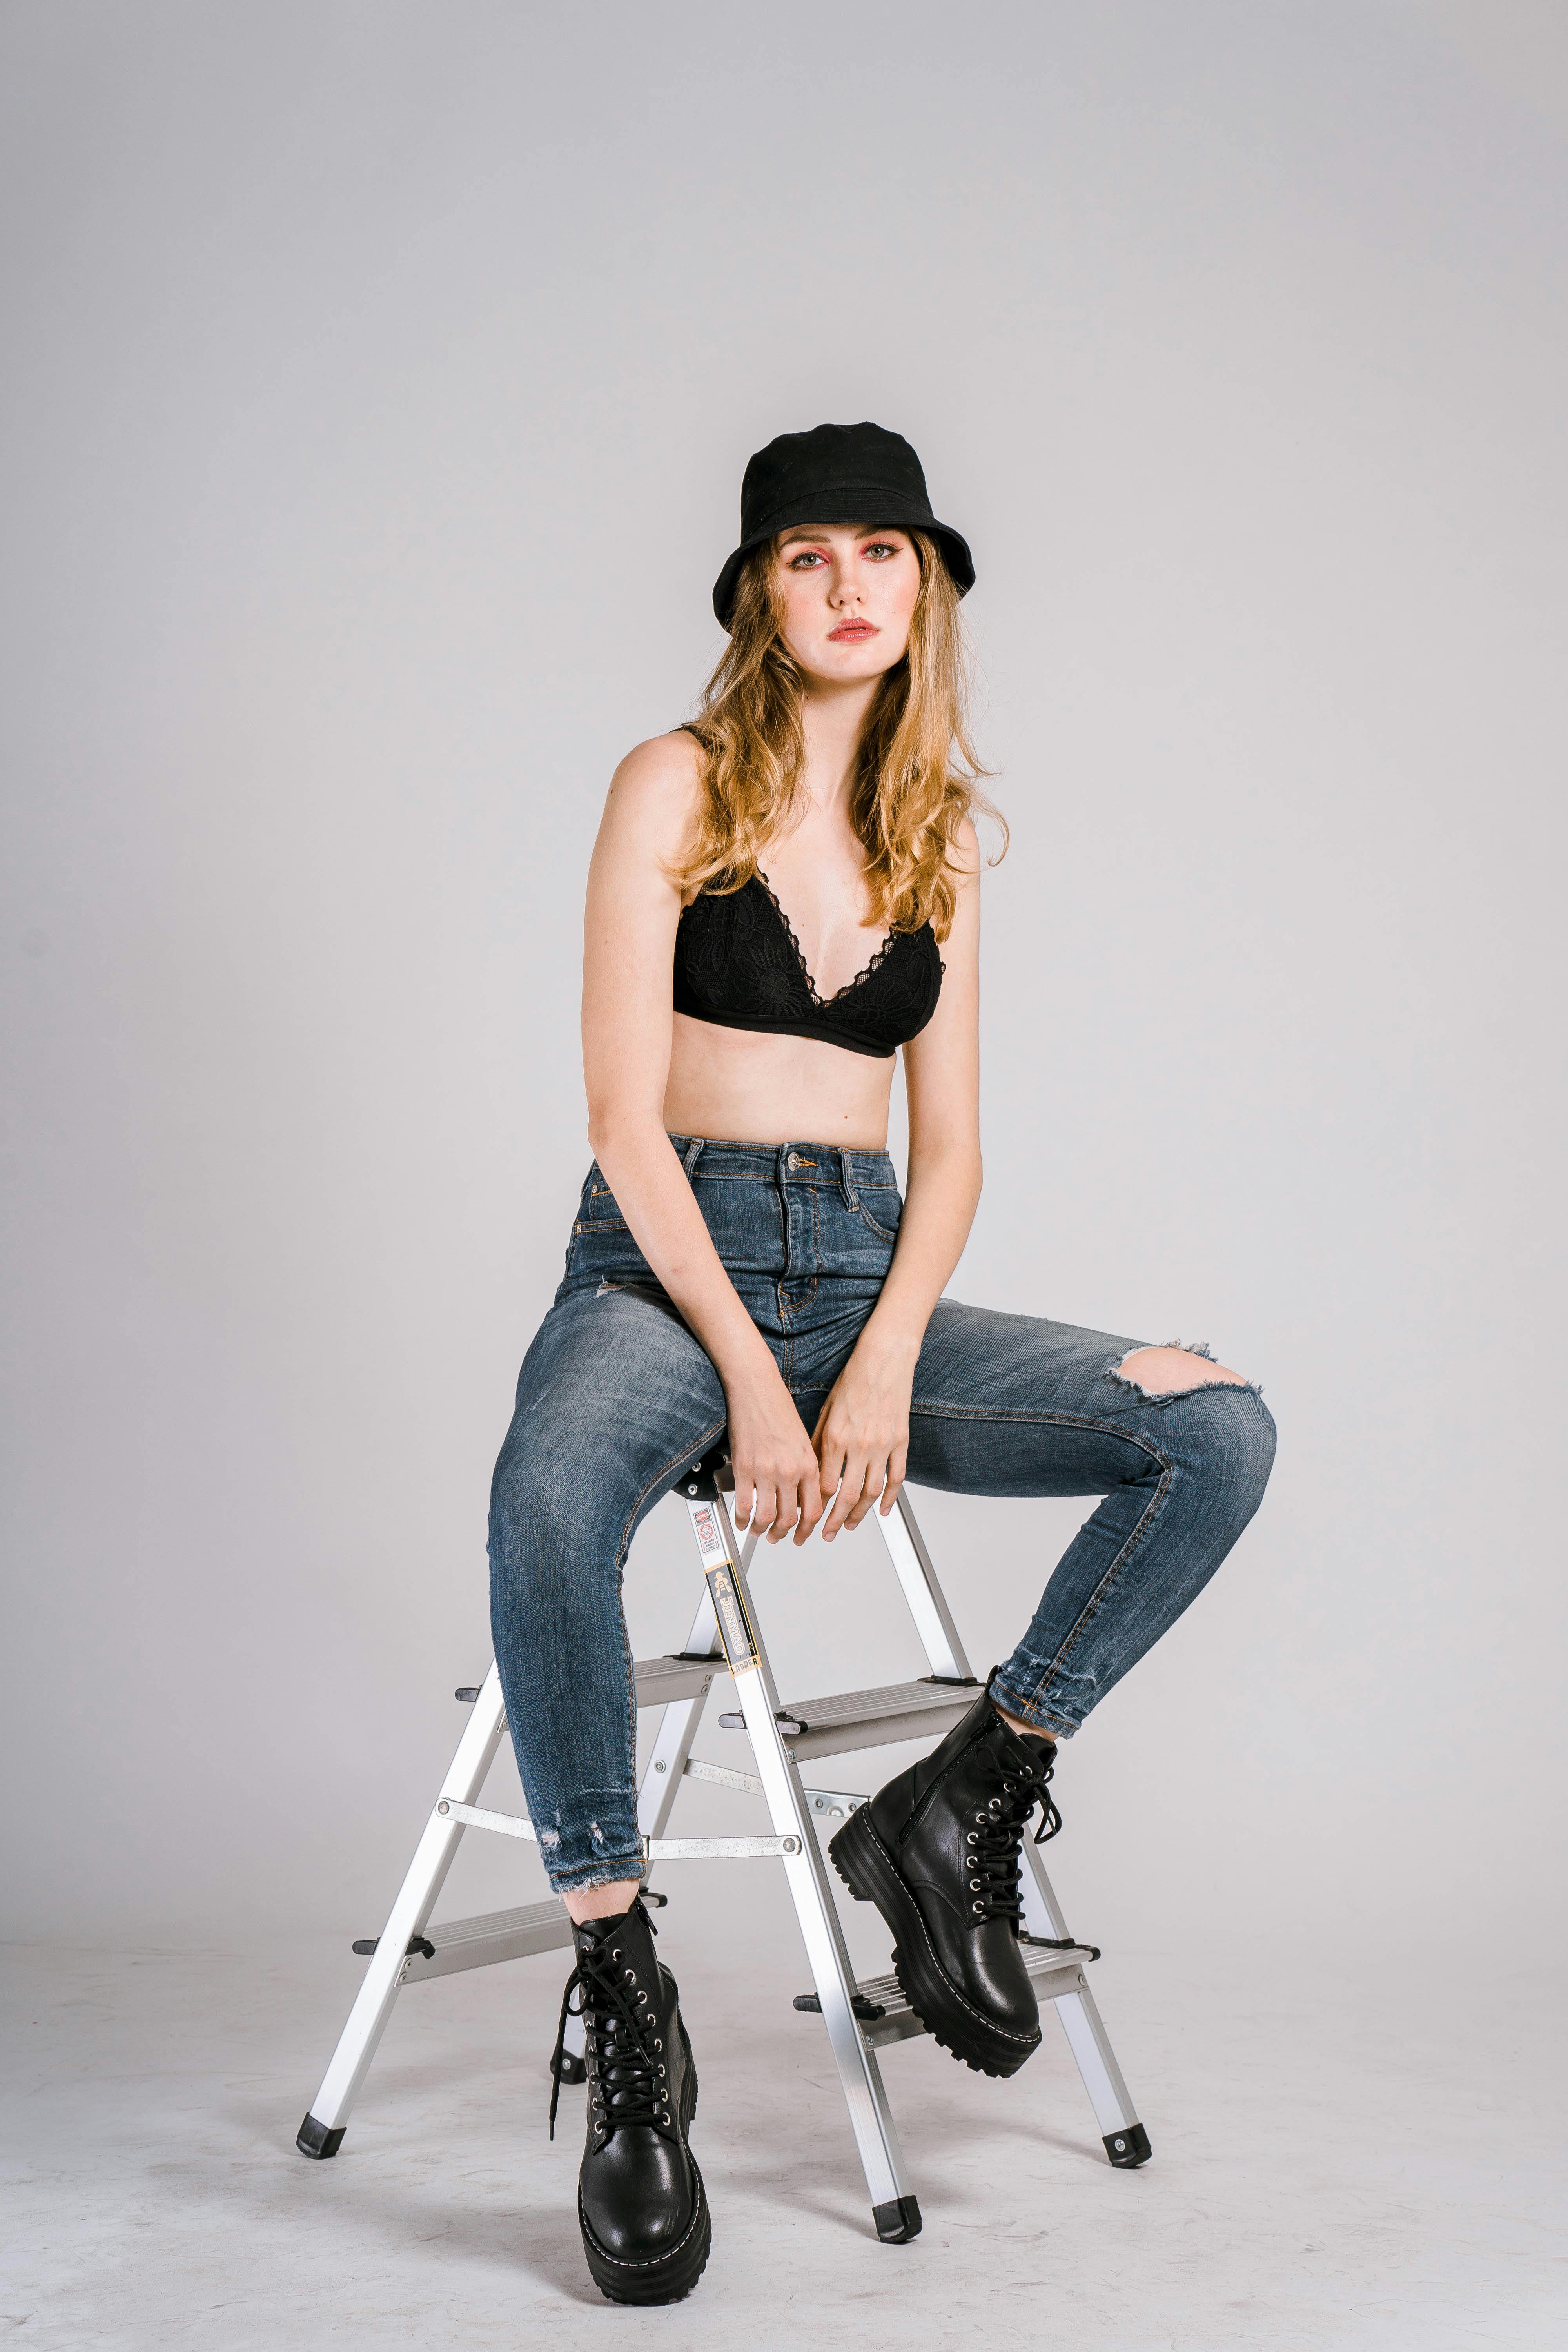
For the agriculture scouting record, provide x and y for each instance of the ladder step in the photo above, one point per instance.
(886, 2016)
(870, 1719)
(661, 1680)
(457, 1944)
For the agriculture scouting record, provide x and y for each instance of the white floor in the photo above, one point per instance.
(1346, 2154)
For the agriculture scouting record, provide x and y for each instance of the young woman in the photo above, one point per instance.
(781, 896)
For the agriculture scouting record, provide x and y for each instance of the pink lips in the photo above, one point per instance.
(851, 632)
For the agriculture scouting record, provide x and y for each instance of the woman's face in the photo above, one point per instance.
(847, 594)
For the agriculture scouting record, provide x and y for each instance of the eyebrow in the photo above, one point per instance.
(860, 530)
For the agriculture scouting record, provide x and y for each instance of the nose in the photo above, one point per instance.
(847, 583)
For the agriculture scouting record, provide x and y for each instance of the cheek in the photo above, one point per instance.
(794, 592)
(803, 600)
(902, 595)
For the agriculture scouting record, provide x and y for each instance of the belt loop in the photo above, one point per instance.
(846, 1179)
(694, 1154)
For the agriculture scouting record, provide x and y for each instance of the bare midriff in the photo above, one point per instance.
(742, 1086)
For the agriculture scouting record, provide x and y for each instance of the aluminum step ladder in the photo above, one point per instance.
(861, 2018)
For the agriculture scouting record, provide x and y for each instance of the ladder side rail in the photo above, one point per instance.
(922, 1589)
(409, 1915)
(1043, 1916)
(1102, 2077)
(894, 2207)
(1081, 2021)
(661, 1774)
(666, 1757)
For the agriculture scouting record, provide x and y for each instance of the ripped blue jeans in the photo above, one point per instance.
(616, 1395)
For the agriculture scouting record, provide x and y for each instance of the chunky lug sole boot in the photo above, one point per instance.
(641, 2205)
(937, 1851)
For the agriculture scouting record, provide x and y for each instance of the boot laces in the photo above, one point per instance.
(994, 1853)
(627, 2082)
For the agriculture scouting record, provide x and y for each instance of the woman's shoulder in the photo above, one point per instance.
(653, 790)
(963, 856)
(664, 761)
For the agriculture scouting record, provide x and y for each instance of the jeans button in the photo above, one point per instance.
(794, 1161)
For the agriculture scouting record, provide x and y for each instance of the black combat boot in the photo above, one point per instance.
(640, 2201)
(937, 1851)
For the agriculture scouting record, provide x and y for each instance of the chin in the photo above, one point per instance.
(844, 664)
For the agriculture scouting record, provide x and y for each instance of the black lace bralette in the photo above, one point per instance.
(739, 965)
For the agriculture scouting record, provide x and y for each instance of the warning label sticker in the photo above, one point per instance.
(740, 1642)
(710, 1542)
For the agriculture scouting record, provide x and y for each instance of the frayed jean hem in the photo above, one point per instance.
(1033, 1711)
(583, 1879)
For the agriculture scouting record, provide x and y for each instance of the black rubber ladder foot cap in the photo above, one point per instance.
(316, 2140)
(1126, 2148)
(898, 2221)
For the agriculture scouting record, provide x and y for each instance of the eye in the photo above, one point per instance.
(881, 549)
(806, 560)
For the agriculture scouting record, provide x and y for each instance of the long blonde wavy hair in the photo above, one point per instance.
(916, 777)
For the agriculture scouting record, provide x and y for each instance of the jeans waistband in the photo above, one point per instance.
(787, 1163)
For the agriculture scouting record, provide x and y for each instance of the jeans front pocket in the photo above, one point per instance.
(600, 1247)
(881, 1207)
(596, 1210)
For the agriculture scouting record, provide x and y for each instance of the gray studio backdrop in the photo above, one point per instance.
(380, 381)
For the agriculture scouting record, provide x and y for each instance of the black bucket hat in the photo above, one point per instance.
(836, 473)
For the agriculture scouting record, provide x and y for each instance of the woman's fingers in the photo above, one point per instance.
(896, 1469)
(786, 1513)
(841, 1478)
(861, 1475)
(810, 1502)
(874, 1482)
(773, 1502)
(851, 1497)
(832, 1461)
(800, 1497)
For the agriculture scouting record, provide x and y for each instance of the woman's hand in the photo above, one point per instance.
(862, 1435)
(776, 1483)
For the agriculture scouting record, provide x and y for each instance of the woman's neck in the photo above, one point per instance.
(832, 719)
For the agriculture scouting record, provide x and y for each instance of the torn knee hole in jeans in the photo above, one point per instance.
(1197, 1349)
(607, 1287)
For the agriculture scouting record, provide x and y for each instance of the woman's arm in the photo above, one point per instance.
(863, 1431)
(628, 955)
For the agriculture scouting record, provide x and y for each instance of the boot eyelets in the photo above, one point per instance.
(1010, 1787)
(971, 1839)
(977, 1907)
(975, 1886)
